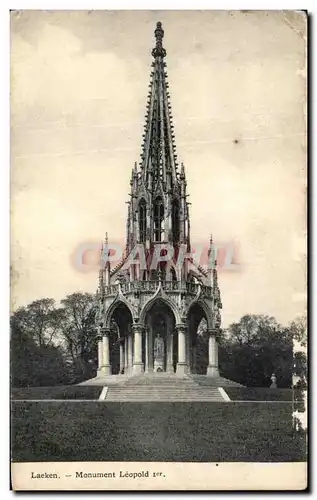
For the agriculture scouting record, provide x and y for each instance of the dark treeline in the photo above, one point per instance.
(257, 346)
(53, 345)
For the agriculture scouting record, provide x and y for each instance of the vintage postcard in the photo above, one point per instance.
(158, 250)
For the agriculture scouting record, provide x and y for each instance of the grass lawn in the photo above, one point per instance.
(261, 394)
(57, 392)
(52, 431)
(93, 392)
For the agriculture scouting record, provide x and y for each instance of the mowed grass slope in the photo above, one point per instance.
(57, 392)
(261, 394)
(88, 431)
(93, 392)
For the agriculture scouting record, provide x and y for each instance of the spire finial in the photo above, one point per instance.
(159, 32)
(106, 238)
(158, 51)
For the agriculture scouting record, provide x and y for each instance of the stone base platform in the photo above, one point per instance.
(163, 387)
(204, 380)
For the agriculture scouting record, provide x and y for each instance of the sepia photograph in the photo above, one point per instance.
(158, 312)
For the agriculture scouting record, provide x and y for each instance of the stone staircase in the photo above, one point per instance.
(214, 381)
(162, 387)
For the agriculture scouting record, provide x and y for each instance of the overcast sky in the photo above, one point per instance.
(79, 82)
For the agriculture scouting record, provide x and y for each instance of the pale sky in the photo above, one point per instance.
(79, 82)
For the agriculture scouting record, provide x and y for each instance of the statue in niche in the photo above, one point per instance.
(158, 347)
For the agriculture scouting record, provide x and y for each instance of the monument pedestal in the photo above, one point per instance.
(137, 368)
(158, 365)
(181, 369)
(170, 368)
(104, 370)
(159, 350)
(212, 371)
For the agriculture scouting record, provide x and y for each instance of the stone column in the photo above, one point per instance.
(194, 351)
(138, 366)
(188, 352)
(126, 362)
(130, 355)
(121, 345)
(169, 367)
(146, 368)
(169, 346)
(213, 370)
(151, 361)
(100, 360)
(106, 367)
(181, 364)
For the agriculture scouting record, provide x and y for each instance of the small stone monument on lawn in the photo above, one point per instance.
(273, 379)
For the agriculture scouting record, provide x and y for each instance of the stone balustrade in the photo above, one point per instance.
(151, 286)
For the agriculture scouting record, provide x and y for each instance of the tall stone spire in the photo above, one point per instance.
(158, 208)
(158, 158)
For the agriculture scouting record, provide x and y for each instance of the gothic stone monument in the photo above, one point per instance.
(157, 308)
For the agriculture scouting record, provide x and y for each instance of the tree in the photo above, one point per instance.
(298, 332)
(35, 361)
(298, 328)
(79, 333)
(22, 352)
(254, 348)
(41, 321)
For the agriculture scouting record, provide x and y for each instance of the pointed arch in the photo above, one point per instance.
(199, 311)
(158, 218)
(165, 300)
(115, 304)
(142, 220)
(207, 313)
